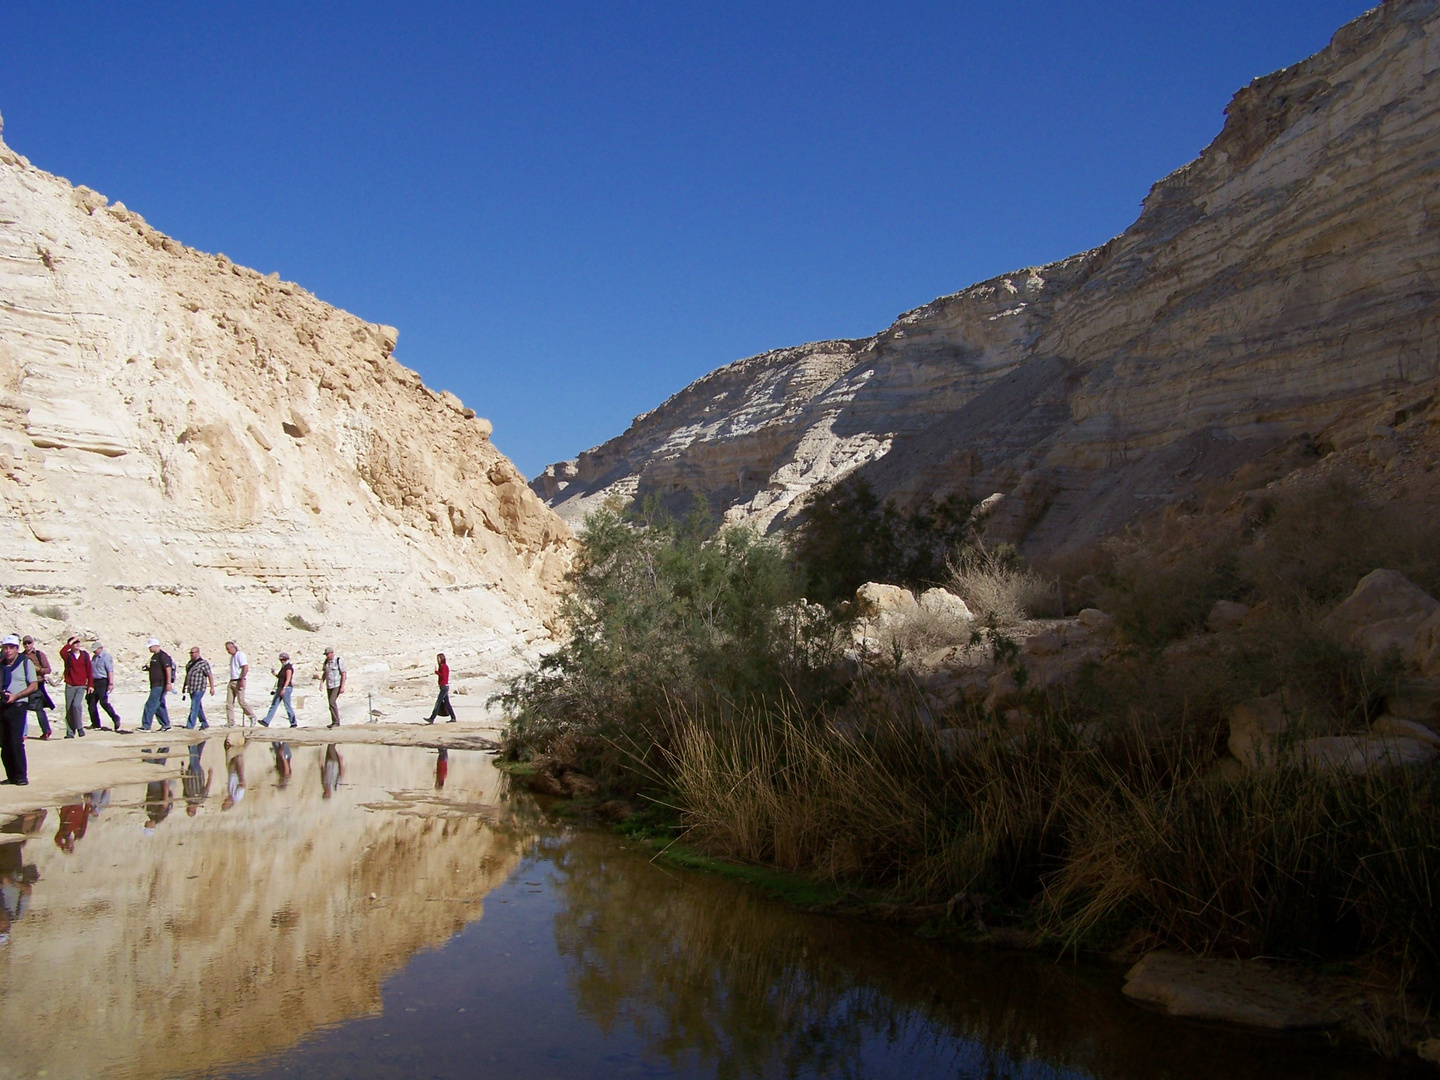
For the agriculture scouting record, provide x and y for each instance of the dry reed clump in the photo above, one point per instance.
(998, 587)
(923, 631)
(1129, 837)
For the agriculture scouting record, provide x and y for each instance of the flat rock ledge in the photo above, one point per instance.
(1249, 992)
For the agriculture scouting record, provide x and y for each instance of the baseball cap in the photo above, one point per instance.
(152, 641)
(10, 639)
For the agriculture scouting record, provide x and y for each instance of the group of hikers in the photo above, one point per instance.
(89, 676)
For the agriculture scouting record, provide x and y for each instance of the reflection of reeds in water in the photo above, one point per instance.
(226, 936)
(716, 979)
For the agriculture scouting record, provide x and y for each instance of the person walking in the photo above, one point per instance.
(162, 676)
(40, 701)
(235, 692)
(442, 700)
(197, 675)
(284, 688)
(102, 672)
(333, 676)
(77, 685)
(18, 680)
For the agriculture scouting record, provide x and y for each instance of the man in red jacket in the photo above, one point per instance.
(78, 683)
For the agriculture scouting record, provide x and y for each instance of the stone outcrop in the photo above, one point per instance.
(193, 449)
(1283, 286)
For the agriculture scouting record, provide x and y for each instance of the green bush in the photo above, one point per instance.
(661, 613)
(847, 537)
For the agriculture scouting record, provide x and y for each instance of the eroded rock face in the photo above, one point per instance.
(192, 449)
(1284, 282)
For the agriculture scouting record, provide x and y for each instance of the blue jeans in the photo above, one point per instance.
(283, 695)
(155, 706)
(197, 710)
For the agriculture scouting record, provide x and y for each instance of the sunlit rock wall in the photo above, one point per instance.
(1284, 282)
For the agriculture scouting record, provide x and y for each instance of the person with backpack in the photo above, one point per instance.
(332, 675)
(284, 687)
(40, 701)
(18, 680)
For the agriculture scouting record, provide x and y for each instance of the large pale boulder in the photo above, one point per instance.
(1226, 615)
(943, 604)
(886, 604)
(1246, 992)
(1388, 614)
(1362, 754)
(1398, 728)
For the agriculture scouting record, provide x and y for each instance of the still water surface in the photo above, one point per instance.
(374, 912)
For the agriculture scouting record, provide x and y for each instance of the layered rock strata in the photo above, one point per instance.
(1283, 283)
(195, 450)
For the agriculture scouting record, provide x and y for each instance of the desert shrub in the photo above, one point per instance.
(299, 622)
(847, 537)
(997, 585)
(923, 632)
(661, 612)
(50, 611)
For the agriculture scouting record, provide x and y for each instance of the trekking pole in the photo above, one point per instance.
(371, 698)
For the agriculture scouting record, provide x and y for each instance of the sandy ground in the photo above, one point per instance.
(61, 768)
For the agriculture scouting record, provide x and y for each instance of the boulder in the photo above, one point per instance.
(1389, 614)
(1095, 619)
(1361, 754)
(1249, 992)
(1226, 615)
(943, 604)
(1254, 728)
(884, 603)
(1399, 728)
(1416, 699)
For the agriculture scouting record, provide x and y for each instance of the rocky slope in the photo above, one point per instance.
(1284, 283)
(194, 450)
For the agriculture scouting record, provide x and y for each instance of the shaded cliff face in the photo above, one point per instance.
(1284, 282)
(191, 449)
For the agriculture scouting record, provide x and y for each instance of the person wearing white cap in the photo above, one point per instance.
(18, 680)
(162, 675)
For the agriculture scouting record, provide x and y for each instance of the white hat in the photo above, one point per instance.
(10, 639)
(152, 641)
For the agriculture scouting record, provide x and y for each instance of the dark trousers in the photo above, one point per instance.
(442, 705)
(12, 742)
(99, 698)
(44, 720)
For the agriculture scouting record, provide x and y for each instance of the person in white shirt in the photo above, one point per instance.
(235, 691)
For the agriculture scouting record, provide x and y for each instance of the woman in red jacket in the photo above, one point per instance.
(442, 701)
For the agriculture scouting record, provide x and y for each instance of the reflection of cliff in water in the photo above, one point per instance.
(180, 937)
(718, 980)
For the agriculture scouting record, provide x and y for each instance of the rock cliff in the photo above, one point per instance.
(191, 449)
(1284, 283)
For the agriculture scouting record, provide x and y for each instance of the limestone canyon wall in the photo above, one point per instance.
(191, 449)
(1283, 283)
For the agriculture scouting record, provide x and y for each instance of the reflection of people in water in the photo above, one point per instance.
(98, 801)
(331, 769)
(442, 768)
(157, 803)
(195, 780)
(234, 774)
(17, 879)
(282, 763)
(73, 820)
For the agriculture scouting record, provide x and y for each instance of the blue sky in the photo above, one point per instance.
(571, 210)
